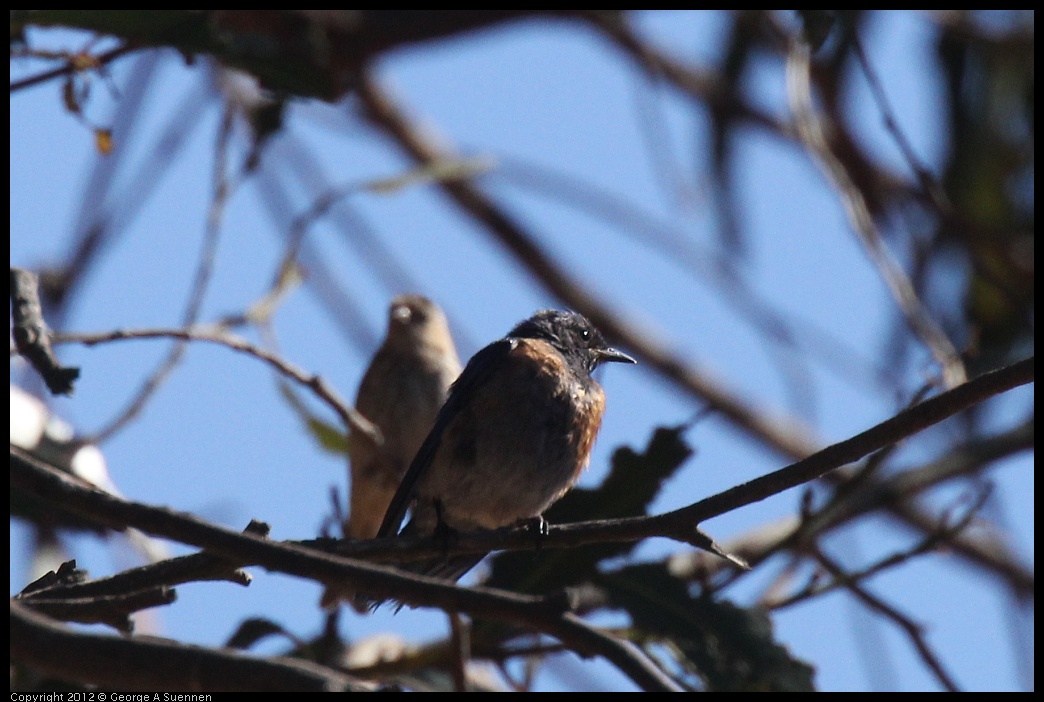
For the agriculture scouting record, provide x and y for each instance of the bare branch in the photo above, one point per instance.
(813, 132)
(943, 535)
(74, 64)
(32, 335)
(156, 664)
(933, 189)
(536, 613)
(223, 189)
(679, 524)
(703, 86)
(316, 384)
(912, 629)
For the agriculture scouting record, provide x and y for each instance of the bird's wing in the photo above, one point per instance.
(475, 374)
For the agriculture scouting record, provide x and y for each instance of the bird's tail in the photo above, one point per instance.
(448, 568)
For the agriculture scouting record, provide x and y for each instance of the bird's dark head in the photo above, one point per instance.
(573, 335)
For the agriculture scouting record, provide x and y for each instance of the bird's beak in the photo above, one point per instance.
(612, 355)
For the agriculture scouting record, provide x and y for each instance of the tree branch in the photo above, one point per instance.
(535, 613)
(679, 524)
(32, 335)
(155, 664)
(216, 335)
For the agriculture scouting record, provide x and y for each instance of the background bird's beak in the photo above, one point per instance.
(609, 355)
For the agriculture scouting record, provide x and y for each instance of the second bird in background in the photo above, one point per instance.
(401, 392)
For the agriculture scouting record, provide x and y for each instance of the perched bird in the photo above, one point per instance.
(401, 393)
(512, 438)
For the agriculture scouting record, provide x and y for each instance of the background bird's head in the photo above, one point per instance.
(414, 319)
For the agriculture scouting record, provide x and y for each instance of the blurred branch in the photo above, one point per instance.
(703, 86)
(154, 664)
(310, 53)
(440, 654)
(931, 186)
(222, 190)
(703, 265)
(913, 630)
(460, 641)
(75, 63)
(102, 217)
(779, 435)
(812, 129)
(340, 306)
(32, 335)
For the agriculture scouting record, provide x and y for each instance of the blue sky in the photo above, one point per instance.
(219, 441)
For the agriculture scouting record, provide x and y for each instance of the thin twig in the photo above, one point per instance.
(933, 190)
(223, 189)
(315, 383)
(813, 132)
(74, 64)
(930, 543)
(912, 629)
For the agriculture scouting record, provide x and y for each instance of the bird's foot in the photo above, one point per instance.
(536, 526)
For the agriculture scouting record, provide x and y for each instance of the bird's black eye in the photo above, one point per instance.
(585, 334)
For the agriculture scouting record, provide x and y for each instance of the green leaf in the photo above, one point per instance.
(329, 437)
